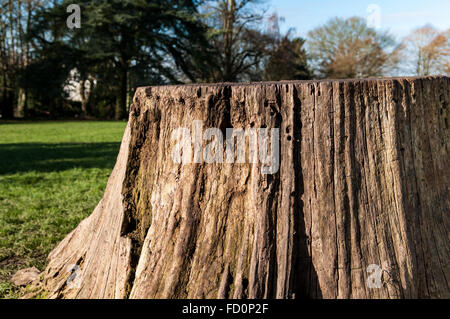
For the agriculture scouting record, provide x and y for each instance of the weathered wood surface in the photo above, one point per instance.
(364, 179)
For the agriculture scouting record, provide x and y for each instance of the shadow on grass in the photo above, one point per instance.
(42, 157)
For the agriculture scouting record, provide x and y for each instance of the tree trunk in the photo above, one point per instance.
(359, 207)
(7, 106)
(19, 111)
(84, 98)
(128, 95)
(121, 102)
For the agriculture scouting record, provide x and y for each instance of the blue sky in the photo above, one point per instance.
(397, 16)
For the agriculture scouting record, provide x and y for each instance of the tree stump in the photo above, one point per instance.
(358, 208)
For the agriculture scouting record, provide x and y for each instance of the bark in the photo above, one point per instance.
(84, 97)
(123, 100)
(363, 180)
(19, 111)
(25, 58)
(122, 95)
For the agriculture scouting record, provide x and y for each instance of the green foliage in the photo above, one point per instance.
(52, 175)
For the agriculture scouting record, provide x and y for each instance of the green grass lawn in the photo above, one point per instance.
(52, 175)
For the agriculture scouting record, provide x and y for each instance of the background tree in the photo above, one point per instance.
(15, 54)
(287, 61)
(5, 93)
(286, 56)
(427, 51)
(238, 40)
(350, 49)
(56, 54)
(145, 34)
(120, 42)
